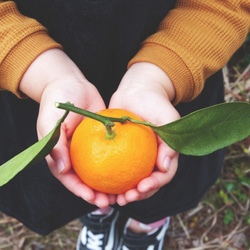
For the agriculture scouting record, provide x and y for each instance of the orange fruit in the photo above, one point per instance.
(113, 165)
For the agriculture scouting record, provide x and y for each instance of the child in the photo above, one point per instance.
(148, 58)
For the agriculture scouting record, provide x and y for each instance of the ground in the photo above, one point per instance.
(220, 221)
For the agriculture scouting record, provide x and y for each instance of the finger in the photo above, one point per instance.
(149, 194)
(158, 179)
(60, 154)
(135, 195)
(101, 200)
(164, 156)
(74, 184)
(112, 199)
(121, 200)
(132, 195)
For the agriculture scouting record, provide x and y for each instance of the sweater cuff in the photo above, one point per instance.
(173, 66)
(21, 56)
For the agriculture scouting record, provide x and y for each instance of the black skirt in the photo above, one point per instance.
(34, 196)
(38, 200)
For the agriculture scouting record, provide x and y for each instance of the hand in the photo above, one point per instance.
(147, 91)
(51, 78)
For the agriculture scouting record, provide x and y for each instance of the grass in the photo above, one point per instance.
(220, 221)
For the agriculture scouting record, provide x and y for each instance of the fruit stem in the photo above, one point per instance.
(110, 133)
(106, 120)
(127, 118)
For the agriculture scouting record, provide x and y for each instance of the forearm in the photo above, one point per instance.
(195, 40)
(22, 39)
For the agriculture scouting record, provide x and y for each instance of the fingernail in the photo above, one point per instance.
(166, 163)
(60, 166)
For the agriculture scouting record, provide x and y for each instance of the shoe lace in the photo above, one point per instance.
(93, 241)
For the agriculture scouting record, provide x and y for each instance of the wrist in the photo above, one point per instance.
(148, 73)
(51, 66)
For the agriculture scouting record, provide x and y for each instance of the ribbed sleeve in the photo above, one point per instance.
(195, 40)
(22, 39)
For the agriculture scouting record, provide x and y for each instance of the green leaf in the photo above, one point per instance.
(31, 155)
(199, 133)
(229, 216)
(207, 130)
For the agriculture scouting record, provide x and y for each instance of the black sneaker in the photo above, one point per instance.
(151, 241)
(99, 232)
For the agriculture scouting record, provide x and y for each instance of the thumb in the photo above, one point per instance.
(59, 158)
(167, 160)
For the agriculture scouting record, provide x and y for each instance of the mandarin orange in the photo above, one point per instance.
(113, 165)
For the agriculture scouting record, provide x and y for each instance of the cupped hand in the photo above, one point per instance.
(81, 95)
(51, 78)
(147, 91)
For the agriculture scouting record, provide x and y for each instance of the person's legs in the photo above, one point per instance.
(101, 231)
(139, 227)
(137, 235)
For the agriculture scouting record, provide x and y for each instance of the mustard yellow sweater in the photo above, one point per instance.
(195, 39)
